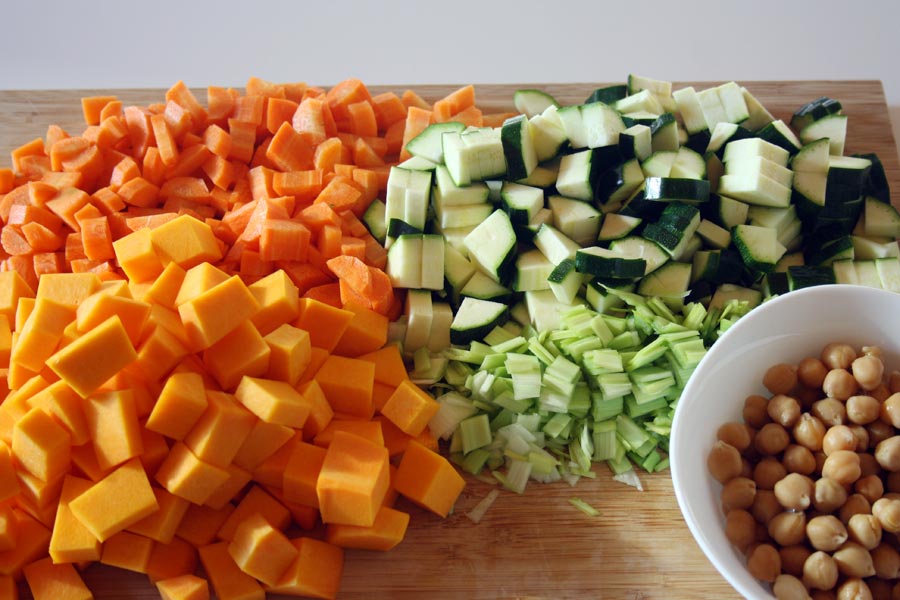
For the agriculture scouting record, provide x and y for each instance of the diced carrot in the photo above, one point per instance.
(189, 161)
(139, 130)
(471, 117)
(221, 173)
(303, 185)
(217, 140)
(249, 109)
(243, 138)
(54, 134)
(417, 120)
(361, 116)
(388, 109)
(295, 90)
(330, 153)
(111, 109)
(278, 111)
(183, 96)
(340, 194)
(92, 106)
(411, 98)
(328, 293)
(343, 94)
(221, 103)
(290, 150)
(365, 156)
(496, 119)
(33, 148)
(154, 169)
(393, 137)
(305, 276)
(454, 103)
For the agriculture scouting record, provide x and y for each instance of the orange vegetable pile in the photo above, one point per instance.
(193, 323)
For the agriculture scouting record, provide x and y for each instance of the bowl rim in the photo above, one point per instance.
(836, 292)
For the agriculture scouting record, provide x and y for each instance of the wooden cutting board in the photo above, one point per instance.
(534, 545)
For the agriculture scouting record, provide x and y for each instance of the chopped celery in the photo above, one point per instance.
(493, 361)
(456, 373)
(516, 477)
(498, 335)
(531, 422)
(631, 434)
(475, 432)
(479, 510)
(557, 424)
(474, 461)
(512, 345)
(635, 409)
(452, 409)
(502, 419)
(509, 402)
(614, 385)
(626, 339)
(584, 507)
(542, 462)
(604, 440)
(619, 466)
(604, 409)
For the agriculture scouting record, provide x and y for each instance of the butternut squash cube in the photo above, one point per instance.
(71, 541)
(428, 479)
(347, 384)
(120, 499)
(242, 352)
(228, 581)
(213, 314)
(41, 445)
(302, 473)
(12, 287)
(186, 241)
(289, 353)
(222, 428)
(67, 288)
(353, 480)
(128, 551)
(273, 401)
(183, 587)
(49, 581)
(260, 550)
(180, 404)
(387, 531)
(256, 501)
(410, 408)
(113, 425)
(137, 256)
(279, 301)
(316, 572)
(92, 359)
(188, 477)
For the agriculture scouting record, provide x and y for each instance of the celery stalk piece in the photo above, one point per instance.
(516, 477)
(479, 510)
(475, 432)
(604, 440)
(584, 507)
(474, 461)
(453, 408)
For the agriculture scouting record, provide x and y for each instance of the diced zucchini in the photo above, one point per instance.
(691, 111)
(659, 164)
(778, 133)
(492, 246)
(608, 95)
(759, 165)
(565, 281)
(447, 193)
(664, 133)
(374, 219)
(691, 191)
(532, 272)
(417, 163)
(688, 165)
(429, 145)
(813, 157)
(813, 111)
(636, 247)
(881, 219)
(759, 116)
(548, 134)
(606, 264)
(457, 268)
(713, 235)
(833, 127)
(531, 102)
(555, 245)
(615, 185)
(578, 220)
(670, 282)
(518, 147)
(616, 226)
(476, 318)
(482, 287)
(407, 197)
(419, 312)
(521, 202)
(635, 142)
(888, 270)
(727, 292)
(755, 147)
(755, 188)
(758, 246)
(404, 261)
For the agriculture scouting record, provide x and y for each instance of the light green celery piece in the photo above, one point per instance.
(584, 507)
(475, 432)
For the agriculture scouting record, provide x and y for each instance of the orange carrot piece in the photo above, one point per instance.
(139, 130)
(125, 170)
(454, 103)
(330, 153)
(260, 87)
(393, 137)
(345, 93)
(243, 138)
(305, 276)
(221, 103)
(362, 118)
(139, 192)
(471, 117)
(278, 111)
(92, 106)
(178, 119)
(365, 156)
(284, 239)
(40, 238)
(249, 109)
(310, 117)
(417, 120)
(496, 119)
(111, 109)
(54, 134)
(410, 99)
(97, 238)
(217, 140)
(189, 161)
(184, 187)
(303, 185)
(290, 150)
(165, 141)
(340, 194)
(185, 98)
(329, 293)
(388, 109)
(295, 90)
(154, 169)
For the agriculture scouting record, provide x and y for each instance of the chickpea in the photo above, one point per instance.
(826, 533)
(780, 378)
(862, 409)
(878, 432)
(772, 439)
(854, 561)
(829, 495)
(811, 373)
(894, 382)
(797, 459)
(768, 472)
(838, 437)
(856, 504)
(740, 528)
(764, 562)
(890, 410)
(738, 493)
(784, 410)
(820, 572)
(795, 491)
(735, 434)
(887, 511)
(755, 414)
(865, 530)
(788, 587)
(839, 384)
(809, 432)
(869, 486)
(842, 466)
(868, 371)
(887, 453)
(886, 561)
(830, 411)
(854, 589)
(862, 437)
(788, 528)
(765, 506)
(838, 355)
(875, 351)
(724, 462)
(793, 557)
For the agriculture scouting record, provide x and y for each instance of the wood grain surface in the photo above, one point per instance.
(534, 545)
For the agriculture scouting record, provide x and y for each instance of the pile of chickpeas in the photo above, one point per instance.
(811, 478)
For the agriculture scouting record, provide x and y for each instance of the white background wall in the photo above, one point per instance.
(107, 43)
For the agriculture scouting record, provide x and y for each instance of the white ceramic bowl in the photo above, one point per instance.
(785, 329)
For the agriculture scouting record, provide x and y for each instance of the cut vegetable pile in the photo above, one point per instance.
(219, 323)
